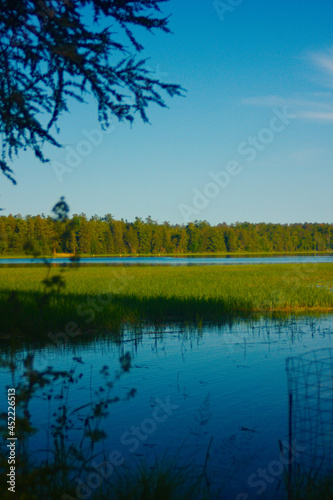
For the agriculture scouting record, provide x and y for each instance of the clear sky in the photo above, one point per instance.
(251, 141)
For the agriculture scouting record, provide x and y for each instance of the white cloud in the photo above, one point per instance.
(312, 106)
(324, 60)
(315, 115)
(266, 100)
(318, 105)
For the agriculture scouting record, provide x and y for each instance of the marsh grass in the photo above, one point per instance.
(164, 480)
(67, 459)
(105, 298)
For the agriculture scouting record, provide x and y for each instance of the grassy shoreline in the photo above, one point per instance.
(105, 298)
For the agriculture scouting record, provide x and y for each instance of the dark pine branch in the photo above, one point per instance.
(49, 54)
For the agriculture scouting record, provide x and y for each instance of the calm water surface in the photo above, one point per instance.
(174, 261)
(223, 382)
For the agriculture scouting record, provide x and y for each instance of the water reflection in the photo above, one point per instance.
(171, 261)
(222, 388)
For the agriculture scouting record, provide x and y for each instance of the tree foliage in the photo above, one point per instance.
(106, 235)
(55, 50)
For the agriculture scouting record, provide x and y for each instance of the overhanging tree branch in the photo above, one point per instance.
(49, 53)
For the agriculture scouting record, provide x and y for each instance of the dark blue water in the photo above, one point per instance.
(225, 383)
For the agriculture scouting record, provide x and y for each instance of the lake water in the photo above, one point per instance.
(225, 382)
(174, 261)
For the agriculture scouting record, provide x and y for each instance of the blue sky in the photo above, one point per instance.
(251, 141)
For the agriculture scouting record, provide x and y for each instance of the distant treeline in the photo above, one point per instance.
(105, 235)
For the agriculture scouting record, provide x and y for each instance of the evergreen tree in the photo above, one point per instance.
(109, 236)
(84, 235)
(231, 242)
(216, 241)
(55, 50)
(144, 235)
(131, 239)
(117, 230)
(194, 237)
(3, 236)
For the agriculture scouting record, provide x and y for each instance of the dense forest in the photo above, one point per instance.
(105, 235)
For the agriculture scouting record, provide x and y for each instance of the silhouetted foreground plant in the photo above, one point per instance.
(64, 459)
(163, 481)
(54, 471)
(310, 486)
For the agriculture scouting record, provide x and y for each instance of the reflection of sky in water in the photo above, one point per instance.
(227, 382)
(175, 261)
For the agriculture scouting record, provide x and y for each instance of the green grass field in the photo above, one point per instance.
(106, 297)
